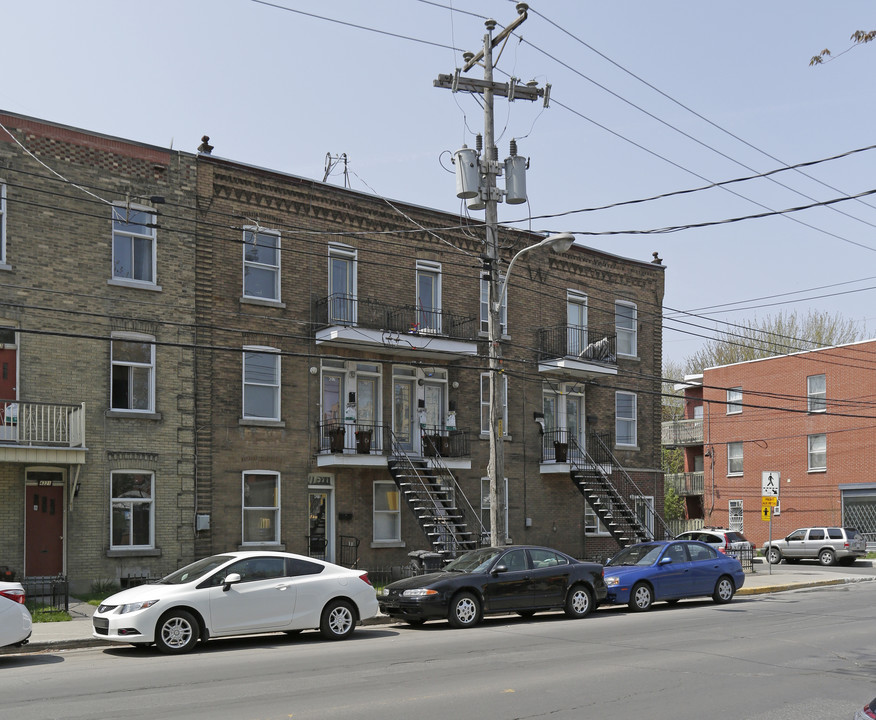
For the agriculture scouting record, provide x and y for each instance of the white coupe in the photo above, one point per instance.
(15, 620)
(238, 593)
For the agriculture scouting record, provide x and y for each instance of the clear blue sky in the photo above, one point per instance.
(281, 89)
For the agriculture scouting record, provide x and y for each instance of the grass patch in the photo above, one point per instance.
(45, 614)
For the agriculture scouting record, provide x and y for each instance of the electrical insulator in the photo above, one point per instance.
(479, 143)
(468, 179)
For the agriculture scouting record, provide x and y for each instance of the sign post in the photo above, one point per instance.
(769, 498)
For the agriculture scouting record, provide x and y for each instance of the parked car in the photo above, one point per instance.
(645, 573)
(238, 593)
(868, 712)
(15, 620)
(721, 539)
(828, 545)
(519, 578)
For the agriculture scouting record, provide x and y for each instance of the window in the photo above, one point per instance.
(644, 509)
(342, 285)
(133, 244)
(816, 393)
(132, 510)
(735, 510)
(625, 418)
(387, 517)
(485, 405)
(132, 385)
(734, 401)
(625, 322)
(261, 507)
(734, 458)
(592, 524)
(261, 384)
(563, 408)
(428, 296)
(817, 452)
(261, 263)
(485, 504)
(485, 306)
(2, 223)
(576, 323)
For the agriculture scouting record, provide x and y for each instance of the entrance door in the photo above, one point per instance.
(403, 412)
(436, 416)
(321, 532)
(44, 525)
(7, 374)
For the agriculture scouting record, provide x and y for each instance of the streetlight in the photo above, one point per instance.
(559, 243)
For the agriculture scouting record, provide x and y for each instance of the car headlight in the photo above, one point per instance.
(133, 607)
(385, 592)
(419, 592)
(612, 580)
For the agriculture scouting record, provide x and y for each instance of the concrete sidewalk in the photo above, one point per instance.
(76, 633)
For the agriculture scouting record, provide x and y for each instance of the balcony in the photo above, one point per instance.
(558, 453)
(343, 444)
(406, 330)
(42, 432)
(678, 433)
(689, 483)
(577, 351)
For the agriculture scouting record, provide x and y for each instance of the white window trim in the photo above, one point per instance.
(634, 419)
(395, 513)
(134, 337)
(816, 399)
(484, 306)
(735, 525)
(633, 332)
(809, 465)
(734, 406)
(275, 508)
(741, 457)
(277, 387)
(3, 263)
(134, 282)
(349, 253)
(427, 267)
(276, 269)
(485, 389)
(132, 501)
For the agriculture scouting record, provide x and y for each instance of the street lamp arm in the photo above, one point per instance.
(560, 243)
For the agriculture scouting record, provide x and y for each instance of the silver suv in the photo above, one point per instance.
(828, 545)
(721, 539)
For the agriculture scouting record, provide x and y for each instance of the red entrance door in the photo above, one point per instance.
(7, 375)
(45, 530)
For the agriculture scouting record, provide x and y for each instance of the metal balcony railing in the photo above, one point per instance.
(682, 432)
(349, 438)
(42, 424)
(589, 344)
(689, 483)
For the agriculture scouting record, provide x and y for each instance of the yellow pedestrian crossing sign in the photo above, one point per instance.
(765, 512)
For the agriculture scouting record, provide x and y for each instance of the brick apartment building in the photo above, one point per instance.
(808, 416)
(283, 363)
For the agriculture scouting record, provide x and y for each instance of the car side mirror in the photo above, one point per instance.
(500, 569)
(229, 581)
(665, 560)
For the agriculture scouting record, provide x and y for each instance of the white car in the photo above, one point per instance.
(238, 593)
(15, 620)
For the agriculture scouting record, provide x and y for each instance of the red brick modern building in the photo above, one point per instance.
(809, 416)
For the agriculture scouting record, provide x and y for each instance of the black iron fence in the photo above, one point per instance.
(364, 438)
(47, 593)
(745, 556)
(585, 343)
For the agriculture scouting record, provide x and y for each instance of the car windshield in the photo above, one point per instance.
(474, 561)
(195, 571)
(636, 555)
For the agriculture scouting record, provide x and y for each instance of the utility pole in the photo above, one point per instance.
(490, 195)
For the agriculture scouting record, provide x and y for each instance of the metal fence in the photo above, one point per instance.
(745, 557)
(50, 594)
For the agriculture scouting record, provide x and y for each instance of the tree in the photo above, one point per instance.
(774, 335)
(673, 504)
(859, 37)
(672, 458)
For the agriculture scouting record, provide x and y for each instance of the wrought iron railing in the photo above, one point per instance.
(42, 424)
(689, 483)
(591, 344)
(358, 438)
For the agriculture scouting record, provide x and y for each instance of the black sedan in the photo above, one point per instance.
(517, 578)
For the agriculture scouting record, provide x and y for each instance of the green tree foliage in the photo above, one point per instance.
(673, 504)
(859, 37)
(774, 335)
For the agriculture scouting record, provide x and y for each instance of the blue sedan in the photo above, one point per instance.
(642, 574)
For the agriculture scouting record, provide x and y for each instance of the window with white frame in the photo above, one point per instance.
(563, 408)
(485, 306)
(485, 404)
(260, 506)
(592, 524)
(342, 285)
(817, 452)
(734, 401)
(387, 515)
(132, 509)
(132, 382)
(428, 296)
(734, 458)
(626, 326)
(503, 504)
(133, 244)
(816, 393)
(261, 383)
(261, 263)
(735, 512)
(625, 425)
(2, 223)
(576, 322)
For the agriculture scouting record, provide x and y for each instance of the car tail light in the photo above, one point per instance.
(870, 710)
(364, 578)
(14, 594)
(846, 544)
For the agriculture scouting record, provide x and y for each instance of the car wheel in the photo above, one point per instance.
(338, 620)
(724, 590)
(579, 602)
(774, 556)
(177, 632)
(827, 557)
(641, 597)
(465, 611)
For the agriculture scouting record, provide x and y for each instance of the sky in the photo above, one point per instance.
(647, 99)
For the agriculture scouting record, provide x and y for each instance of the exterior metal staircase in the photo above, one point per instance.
(613, 495)
(441, 508)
